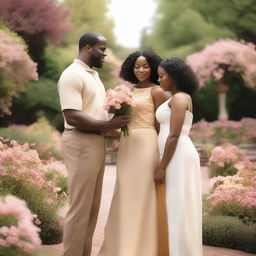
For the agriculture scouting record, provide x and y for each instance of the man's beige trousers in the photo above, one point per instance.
(84, 156)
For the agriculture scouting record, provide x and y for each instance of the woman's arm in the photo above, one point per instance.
(178, 105)
(159, 96)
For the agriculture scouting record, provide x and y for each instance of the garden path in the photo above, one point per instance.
(109, 179)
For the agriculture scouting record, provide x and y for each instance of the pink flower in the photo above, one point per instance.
(115, 97)
(60, 222)
(24, 235)
(239, 189)
(119, 101)
(22, 163)
(226, 156)
(16, 67)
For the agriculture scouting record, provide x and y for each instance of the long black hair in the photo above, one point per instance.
(181, 74)
(153, 60)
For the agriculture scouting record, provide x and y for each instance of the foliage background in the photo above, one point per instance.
(173, 33)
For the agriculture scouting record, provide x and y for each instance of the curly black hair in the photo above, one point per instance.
(127, 72)
(181, 74)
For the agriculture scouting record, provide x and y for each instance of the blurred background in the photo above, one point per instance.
(38, 40)
(48, 32)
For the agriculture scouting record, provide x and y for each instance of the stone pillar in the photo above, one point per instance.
(222, 90)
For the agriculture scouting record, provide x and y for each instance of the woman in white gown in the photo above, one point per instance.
(179, 167)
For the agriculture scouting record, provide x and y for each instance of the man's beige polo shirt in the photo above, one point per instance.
(80, 88)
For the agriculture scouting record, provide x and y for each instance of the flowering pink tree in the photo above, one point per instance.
(37, 22)
(215, 60)
(221, 59)
(16, 68)
(35, 17)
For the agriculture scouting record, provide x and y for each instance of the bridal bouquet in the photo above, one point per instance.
(119, 101)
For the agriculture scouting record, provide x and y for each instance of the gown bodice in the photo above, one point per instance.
(143, 114)
(163, 114)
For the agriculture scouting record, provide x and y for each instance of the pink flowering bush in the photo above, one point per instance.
(119, 101)
(56, 172)
(24, 175)
(235, 195)
(47, 18)
(220, 132)
(40, 135)
(16, 68)
(223, 160)
(17, 229)
(215, 61)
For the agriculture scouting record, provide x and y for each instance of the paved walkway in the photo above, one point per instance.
(109, 179)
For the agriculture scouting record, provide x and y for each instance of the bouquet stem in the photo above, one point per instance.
(125, 130)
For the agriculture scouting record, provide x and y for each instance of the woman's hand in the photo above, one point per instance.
(160, 175)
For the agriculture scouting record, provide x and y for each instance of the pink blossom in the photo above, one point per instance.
(43, 17)
(120, 102)
(24, 235)
(16, 67)
(60, 222)
(115, 97)
(225, 55)
(224, 157)
(239, 188)
(22, 163)
(235, 132)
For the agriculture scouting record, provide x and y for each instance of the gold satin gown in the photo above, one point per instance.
(131, 229)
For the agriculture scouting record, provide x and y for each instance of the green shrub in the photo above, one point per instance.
(240, 102)
(59, 180)
(233, 208)
(7, 221)
(38, 99)
(51, 68)
(51, 232)
(205, 103)
(229, 232)
(8, 251)
(40, 133)
(227, 170)
(19, 135)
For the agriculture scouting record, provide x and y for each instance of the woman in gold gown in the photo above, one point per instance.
(131, 229)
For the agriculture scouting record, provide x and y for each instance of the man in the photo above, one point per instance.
(82, 96)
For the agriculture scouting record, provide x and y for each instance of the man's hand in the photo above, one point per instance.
(118, 121)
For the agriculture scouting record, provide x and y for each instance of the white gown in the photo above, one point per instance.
(183, 188)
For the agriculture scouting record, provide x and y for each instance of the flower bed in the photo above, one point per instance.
(40, 135)
(235, 195)
(223, 160)
(207, 135)
(230, 208)
(24, 175)
(18, 233)
(220, 132)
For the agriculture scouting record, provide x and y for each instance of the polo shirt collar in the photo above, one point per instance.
(87, 68)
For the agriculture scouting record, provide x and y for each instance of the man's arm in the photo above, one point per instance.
(86, 123)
